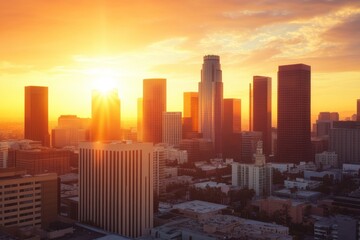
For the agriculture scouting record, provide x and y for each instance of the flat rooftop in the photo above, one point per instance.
(198, 206)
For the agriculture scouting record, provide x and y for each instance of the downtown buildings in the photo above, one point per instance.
(294, 134)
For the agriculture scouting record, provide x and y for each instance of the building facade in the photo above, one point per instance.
(36, 114)
(116, 187)
(172, 128)
(232, 128)
(154, 104)
(294, 123)
(262, 110)
(27, 200)
(105, 122)
(211, 101)
(191, 109)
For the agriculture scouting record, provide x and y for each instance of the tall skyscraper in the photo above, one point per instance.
(294, 133)
(262, 110)
(358, 110)
(211, 101)
(154, 104)
(191, 109)
(36, 114)
(232, 128)
(116, 187)
(105, 124)
(172, 128)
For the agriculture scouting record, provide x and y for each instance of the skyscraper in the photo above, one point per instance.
(232, 128)
(294, 133)
(116, 187)
(211, 101)
(172, 129)
(262, 110)
(36, 114)
(105, 124)
(154, 104)
(191, 109)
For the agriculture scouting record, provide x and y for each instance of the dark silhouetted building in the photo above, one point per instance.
(232, 128)
(211, 101)
(154, 104)
(36, 114)
(294, 102)
(358, 110)
(105, 122)
(249, 142)
(262, 110)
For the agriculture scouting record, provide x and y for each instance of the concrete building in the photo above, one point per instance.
(302, 184)
(27, 200)
(345, 141)
(232, 128)
(335, 174)
(116, 187)
(36, 114)
(191, 109)
(294, 123)
(325, 122)
(70, 131)
(326, 160)
(256, 176)
(351, 169)
(199, 209)
(211, 101)
(171, 128)
(337, 227)
(154, 104)
(248, 145)
(283, 167)
(105, 116)
(159, 160)
(261, 111)
(44, 160)
(4, 154)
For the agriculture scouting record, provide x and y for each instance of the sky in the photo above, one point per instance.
(74, 46)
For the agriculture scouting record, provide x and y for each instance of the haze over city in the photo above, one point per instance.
(74, 47)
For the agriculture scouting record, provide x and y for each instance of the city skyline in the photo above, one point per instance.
(251, 39)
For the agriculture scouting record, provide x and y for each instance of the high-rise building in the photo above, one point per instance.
(294, 101)
(105, 122)
(154, 104)
(159, 172)
(4, 154)
(262, 110)
(27, 200)
(191, 109)
(172, 128)
(345, 141)
(256, 176)
(248, 145)
(140, 119)
(36, 114)
(358, 110)
(116, 186)
(324, 123)
(211, 101)
(232, 128)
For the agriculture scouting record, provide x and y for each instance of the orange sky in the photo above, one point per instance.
(69, 45)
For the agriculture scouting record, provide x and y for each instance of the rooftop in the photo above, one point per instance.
(199, 206)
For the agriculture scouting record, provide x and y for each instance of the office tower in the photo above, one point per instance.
(358, 110)
(45, 160)
(262, 110)
(191, 109)
(345, 141)
(172, 128)
(70, 131)
(293, 140)
(27, 200)
(250, 108)
(4, 154)
(105, 122)
(159, 172)
(210, 101)
(116, 187)
(256, 176)
(248, 145)
(36, 114)
(154, 104)
(324, 123)
(232, 128)
(140, 119)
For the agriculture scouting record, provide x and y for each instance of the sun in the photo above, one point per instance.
(104, 85)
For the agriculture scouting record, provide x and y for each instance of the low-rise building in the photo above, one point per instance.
(326, 160)
(337, 227)
(199, 209)
(302, 184)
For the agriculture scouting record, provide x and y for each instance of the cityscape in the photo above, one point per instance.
(194, 120)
